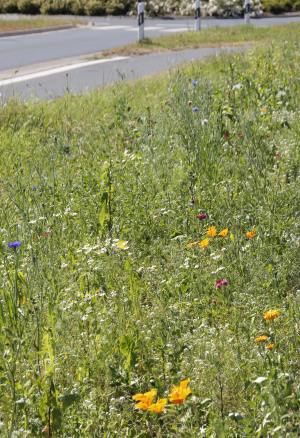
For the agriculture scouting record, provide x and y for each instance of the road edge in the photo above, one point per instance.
(33, 31)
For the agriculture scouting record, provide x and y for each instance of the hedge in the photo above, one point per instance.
(153, 7)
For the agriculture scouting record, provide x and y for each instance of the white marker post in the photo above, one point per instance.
(141, 11)
(247, 11)
(197, 15)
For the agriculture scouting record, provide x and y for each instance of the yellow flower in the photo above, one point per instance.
(270, 346)
(271, 314)
(262, 338)
(144, 400)
(223, 233)
(211, 232)
(192, 245)
(122, 244)
(251, 234)
(159, 406)
(204, 243)
(180, 393)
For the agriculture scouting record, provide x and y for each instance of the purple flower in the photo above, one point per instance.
(14, 245)
(194, 82)
(221, 282)
(195, 109)
(202, 216)
(34, 188)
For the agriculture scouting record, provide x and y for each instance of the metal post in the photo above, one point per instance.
(197, 15)
(247, 11)
(140, 11)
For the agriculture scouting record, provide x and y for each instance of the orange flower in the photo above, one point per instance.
(144, 400)
(204, 243)
(211, 232)
(270, 346)
(262, 338)
(263, 110)
(159, 406)
(223, 233)
(180, 393)
(251, 234)
(271, 314)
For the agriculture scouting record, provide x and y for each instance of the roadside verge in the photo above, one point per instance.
(37, 30)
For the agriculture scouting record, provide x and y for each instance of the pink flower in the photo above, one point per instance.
(222, 282)
(202, 216)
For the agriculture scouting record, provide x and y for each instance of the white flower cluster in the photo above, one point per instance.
(218, 8)
(231, 8)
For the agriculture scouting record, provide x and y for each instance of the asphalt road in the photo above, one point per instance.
(83, 77)
(20, 51)
(47, 65)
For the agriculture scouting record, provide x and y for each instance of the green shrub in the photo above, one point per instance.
(117, 7)
(78, 7)
(296, 6)
(56, 7)
(10, 6)
(28, 6)
(95, 7)
(278, 6)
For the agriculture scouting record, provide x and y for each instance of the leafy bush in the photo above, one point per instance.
(280, 6)
(118, 7)
(56, 7)
(9, 6)
(28, 6)
(231, 8)
(296, 6)
(78, 7)
(95, 7)
(225, 8)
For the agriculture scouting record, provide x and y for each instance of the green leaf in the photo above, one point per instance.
(104, 214)
(68, 399)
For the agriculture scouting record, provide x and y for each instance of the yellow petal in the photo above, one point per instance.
(122, 244)
(223, 233)
(184, 383)
(159, 406)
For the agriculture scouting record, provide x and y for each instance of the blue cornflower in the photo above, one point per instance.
(195, 109)
(34, 188)
(14, 245)
(194, 82)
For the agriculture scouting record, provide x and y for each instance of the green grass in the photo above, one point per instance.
(35, 23)
(211, 37)
(88, 320)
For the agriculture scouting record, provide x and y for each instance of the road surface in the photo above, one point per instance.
(47, 65)
(86, 76)
(19, 51)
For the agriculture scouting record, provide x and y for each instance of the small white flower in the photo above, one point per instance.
(221, 268)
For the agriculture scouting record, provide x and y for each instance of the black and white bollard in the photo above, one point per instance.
(141, 19)
(197, 15)
(247, 11)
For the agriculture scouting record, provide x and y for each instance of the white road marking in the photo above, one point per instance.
(135, 28)
(179, 29)
(147, 29)
(53, 71)
(38, 34)
(110, 27)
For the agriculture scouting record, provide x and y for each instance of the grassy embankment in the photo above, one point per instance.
(110, 292)
(35, 23)
(211, 37)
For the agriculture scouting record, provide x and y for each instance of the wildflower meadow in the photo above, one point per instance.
(150, 255)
